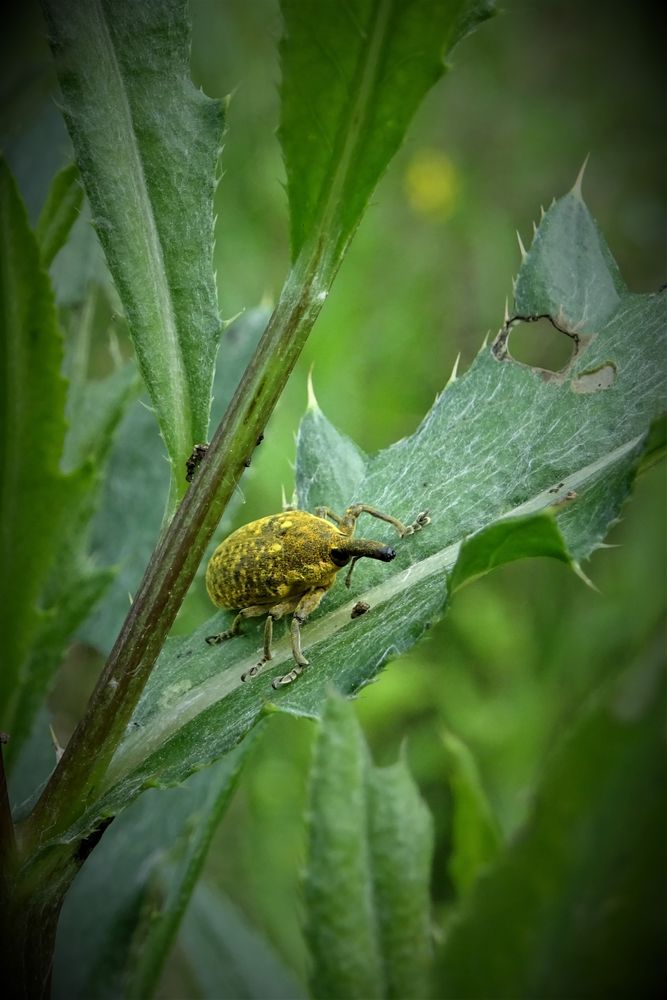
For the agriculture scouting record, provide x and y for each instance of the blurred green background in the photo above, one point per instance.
(530, 95)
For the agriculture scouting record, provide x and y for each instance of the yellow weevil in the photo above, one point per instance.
(287, 562)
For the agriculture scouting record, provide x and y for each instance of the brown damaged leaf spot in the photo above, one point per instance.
(501, 351)
(595, 380)
(565, 500)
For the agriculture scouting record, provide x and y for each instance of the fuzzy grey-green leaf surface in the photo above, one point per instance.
(147, 143)
(330, 466)
(502, 441)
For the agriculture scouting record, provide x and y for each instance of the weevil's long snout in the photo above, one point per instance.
(355, 548)
(385, 553)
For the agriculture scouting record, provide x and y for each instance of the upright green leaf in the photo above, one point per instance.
(366, 885)
(329, 463)
(400, 831)
(60, 212)
(501, 442)
(147, 143)
(340, 926)
(576, 905)
(75, 582)
(35, 496)
(476, 838)
(353, 76)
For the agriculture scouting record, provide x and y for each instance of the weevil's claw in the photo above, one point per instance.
(256, 669)
(289, 678)
(213, 640)
(419, 522)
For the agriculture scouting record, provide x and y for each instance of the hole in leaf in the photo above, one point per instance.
(540, 345)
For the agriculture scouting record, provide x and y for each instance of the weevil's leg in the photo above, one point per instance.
(235, 628)
(274, 614)
(352, 513)
(348, 575)
(328, 512)
(305, 607)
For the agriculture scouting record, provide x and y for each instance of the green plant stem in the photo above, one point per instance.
(7, 841)
(173, 565)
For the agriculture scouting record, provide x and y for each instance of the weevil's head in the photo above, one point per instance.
(355, 548)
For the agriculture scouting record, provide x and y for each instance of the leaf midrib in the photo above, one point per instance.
(351, 126)
(155, 731)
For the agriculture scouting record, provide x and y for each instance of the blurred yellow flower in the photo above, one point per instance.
(432, 183)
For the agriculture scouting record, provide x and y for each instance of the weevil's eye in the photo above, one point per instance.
(340, 558)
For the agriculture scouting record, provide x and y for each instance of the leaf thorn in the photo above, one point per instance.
(521, 246)
(455, 368)
(312, 399)
(232, 319)
(59, 750)
(576, 190)
(582, 576)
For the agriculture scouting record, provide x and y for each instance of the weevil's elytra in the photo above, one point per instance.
(286, 563)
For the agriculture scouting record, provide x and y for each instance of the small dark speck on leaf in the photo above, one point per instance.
(195, 460)
(360, 608)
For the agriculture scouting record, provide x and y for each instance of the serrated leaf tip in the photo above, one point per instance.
(582, 576)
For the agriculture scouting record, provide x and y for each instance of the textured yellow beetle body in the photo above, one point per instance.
(270, 560)
(286, 563)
